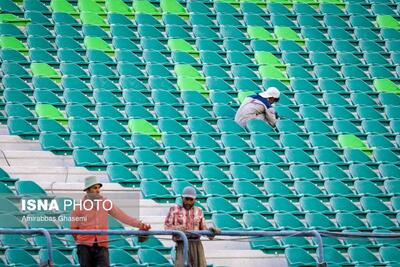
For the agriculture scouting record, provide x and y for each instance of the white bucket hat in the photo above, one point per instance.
(90, 181)
(271, 92)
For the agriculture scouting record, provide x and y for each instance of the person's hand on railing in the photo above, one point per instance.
(214, 231)
(144, 226)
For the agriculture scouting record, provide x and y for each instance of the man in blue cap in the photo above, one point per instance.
(188, 217)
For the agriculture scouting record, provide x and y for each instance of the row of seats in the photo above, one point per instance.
(299, 7)
(118, 257)
(343, 60)
(177, 173)
(219, 90)
(155, 190)
(387, 256)
(86, 158)
(204, 141)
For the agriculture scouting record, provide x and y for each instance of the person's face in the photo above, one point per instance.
(272, 100)
(188, 202)
(94, 191)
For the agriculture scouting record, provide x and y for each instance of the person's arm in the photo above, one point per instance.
(270, 116)
(118, 214)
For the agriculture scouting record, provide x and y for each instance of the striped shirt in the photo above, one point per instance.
(179, 218)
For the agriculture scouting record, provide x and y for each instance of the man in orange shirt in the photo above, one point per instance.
(92, 250)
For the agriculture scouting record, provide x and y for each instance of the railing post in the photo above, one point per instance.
(320, 250)
(42, 231)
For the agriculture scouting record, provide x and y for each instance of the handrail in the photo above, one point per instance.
(182, 235)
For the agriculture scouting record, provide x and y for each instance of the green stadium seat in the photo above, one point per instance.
(152, 256)
(247, 188)
(389, 170)
(298, 156)
(152, 173)
(293, 141)
(96, 43)
(19, 126)
(304, 172)
(144, 6)
(354, 155)
(200, 126)
(381, 221)
(221, 205)
(282, 205)
(54, 143)
(320, 221)
(316, 126)
(271, 72)
(287, 126)
(90, 6)
(152, 243)
(351, 141)
(362, 255)
(233, 141)
(287, 221)
(226, 222)
(345, 127)
(208, 156)
(63, 6)
(385, 156)
(86, 158)
(364, 188)
(251, 205)
(350, 221)
(387, 21)
(313, 204)
(374, 204)
(218, 189)
(344, 204)
(119, 7)
(213, 173)
(333, 256)
(29, 188)
(390, 254)
(183, 173)
(147, 156)
(338, 188)
(259, 33)
(144, 141)
(121, 174)
(362, 171)
(299, 257)
(380, 141)
(154, 190)
(177, 156)
(277, 188)
(174, 141)
(19, 256)
(256, 221)
(121, 257)
(114, 141)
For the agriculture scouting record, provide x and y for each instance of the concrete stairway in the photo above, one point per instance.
(58, 175)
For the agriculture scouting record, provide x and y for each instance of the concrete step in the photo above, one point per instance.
(34, 158)
(60, 174)
(241, 258)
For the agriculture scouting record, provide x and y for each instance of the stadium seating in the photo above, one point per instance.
(147, 90)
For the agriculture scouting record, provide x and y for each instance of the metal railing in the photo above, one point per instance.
(183, 236)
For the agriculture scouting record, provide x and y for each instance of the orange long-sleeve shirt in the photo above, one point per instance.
(97, 219)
